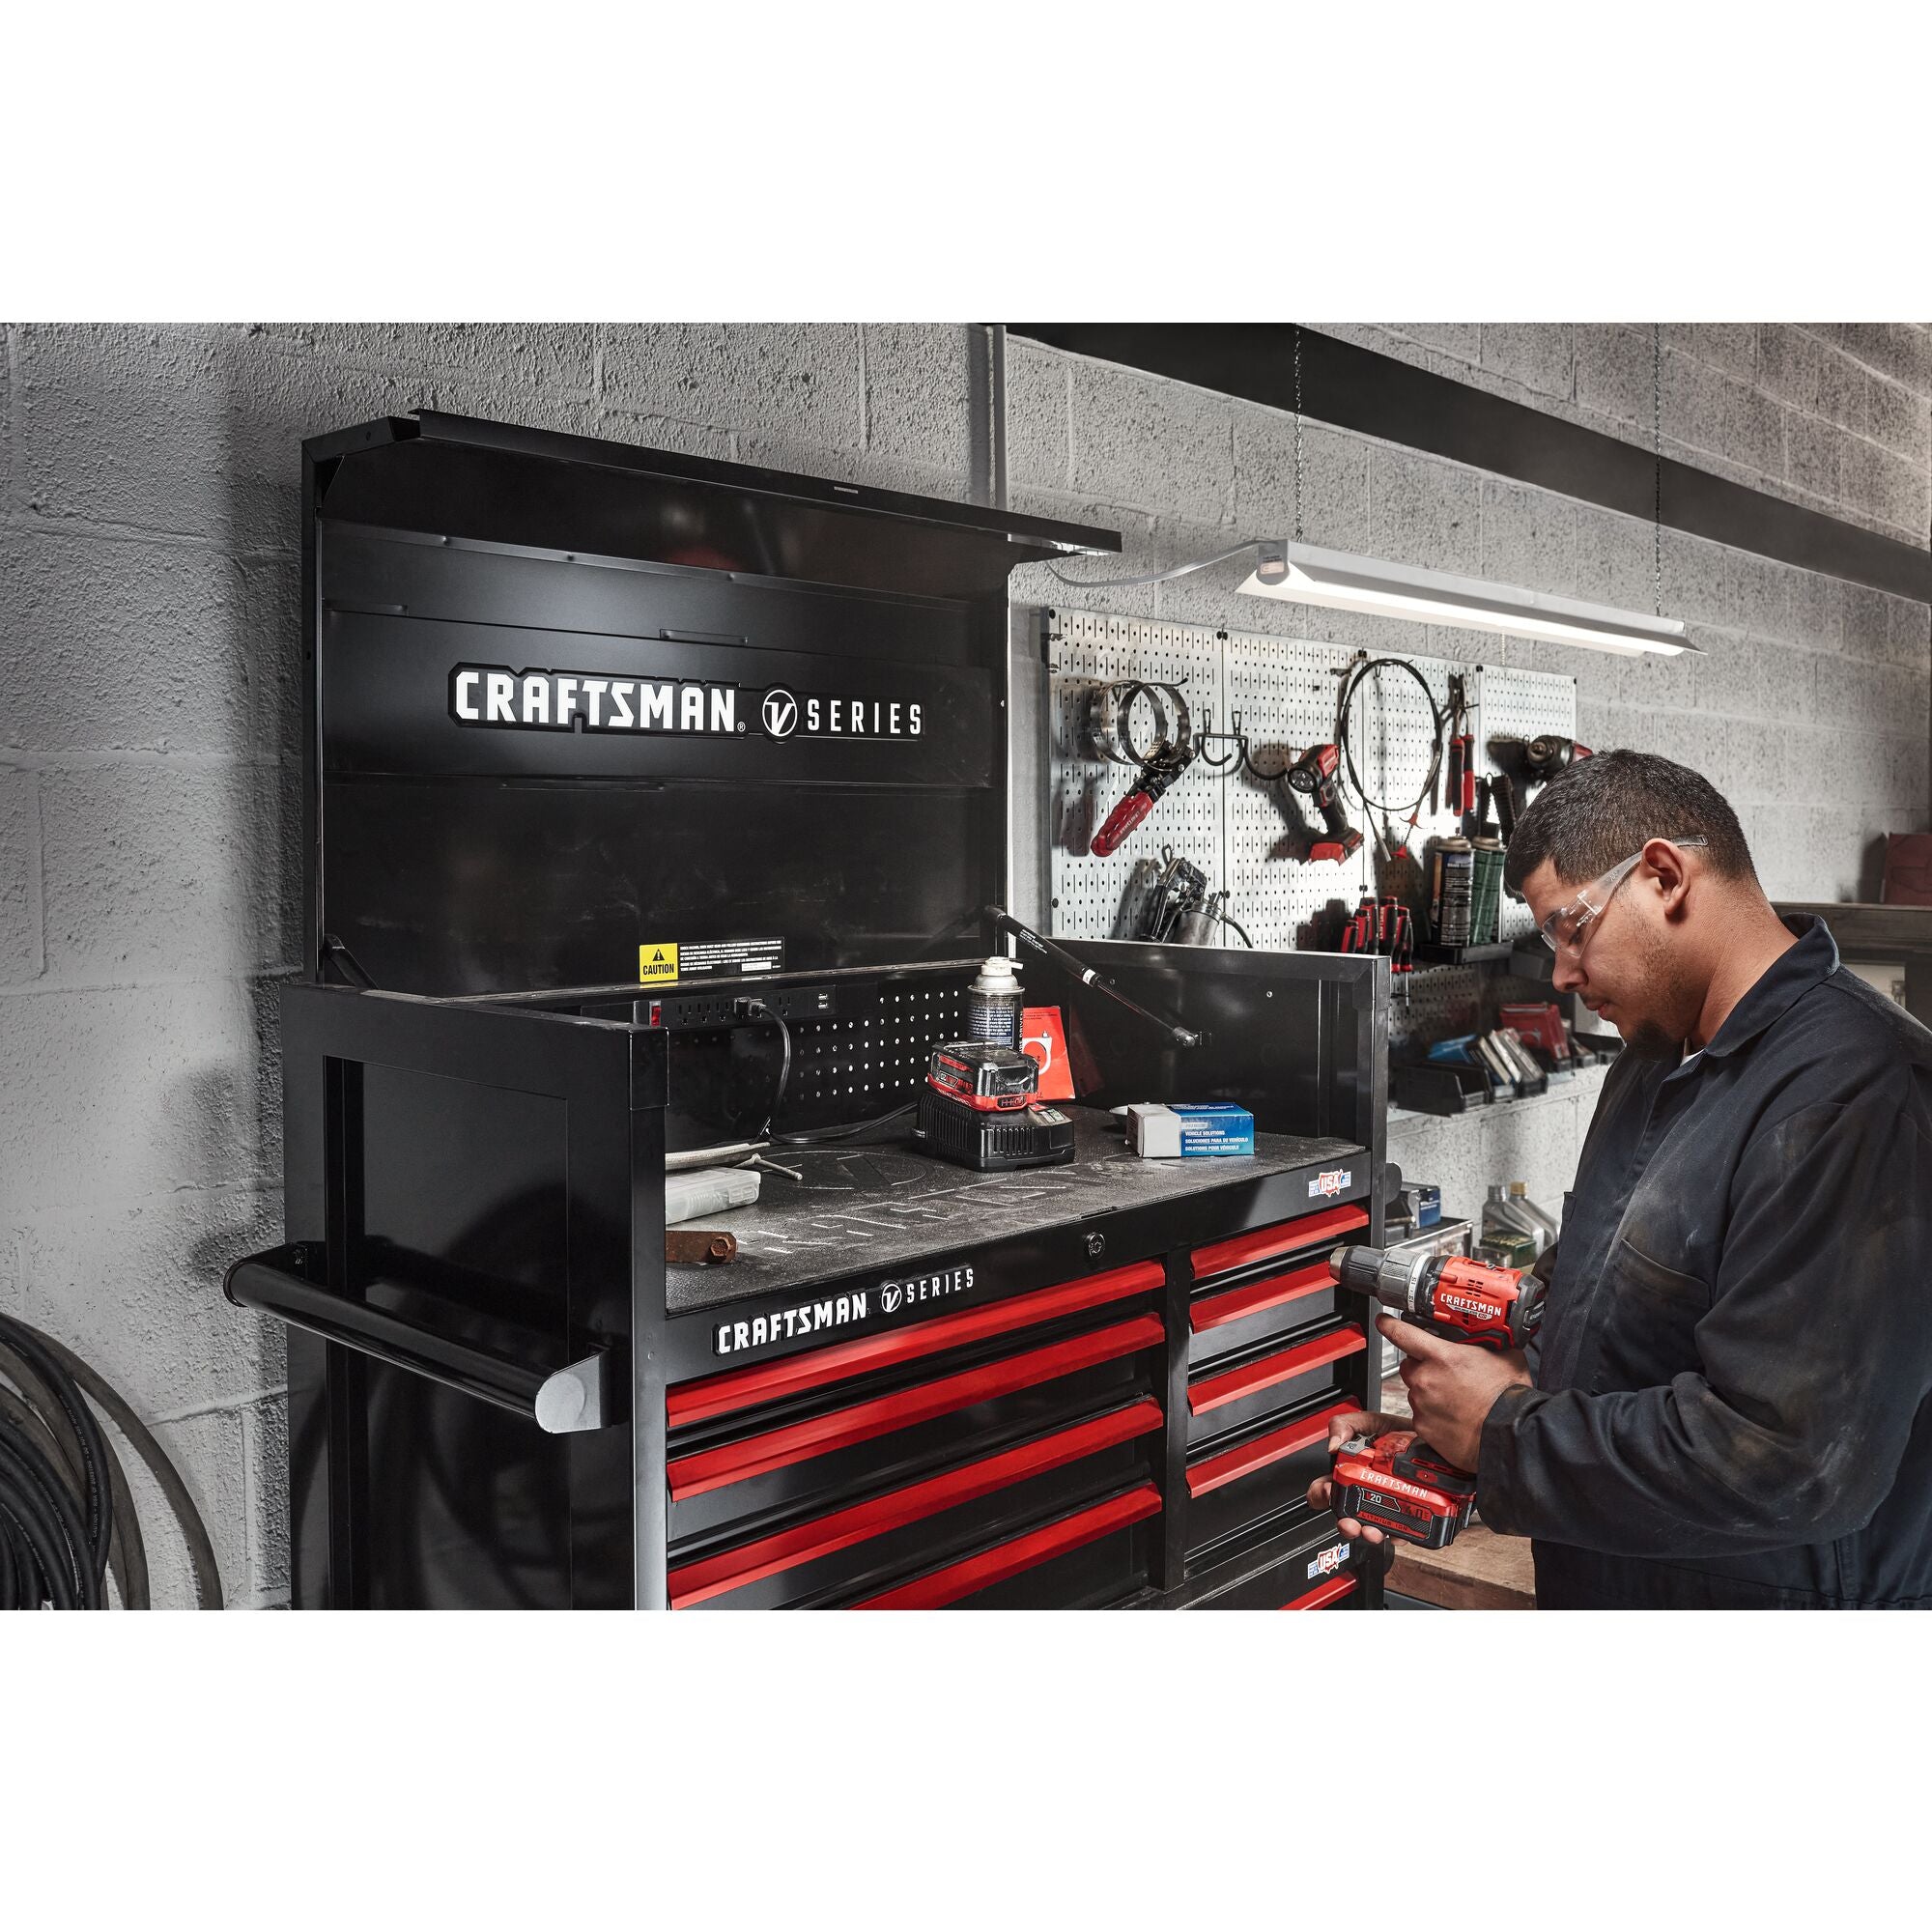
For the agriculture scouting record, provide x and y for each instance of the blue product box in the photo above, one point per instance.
(1190, 1133)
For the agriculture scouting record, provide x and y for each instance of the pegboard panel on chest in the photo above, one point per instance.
(1096, 898)
(880, 1056)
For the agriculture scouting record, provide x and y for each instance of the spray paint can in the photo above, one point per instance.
(994, 1003)
(1486, 896)
(1451, 890)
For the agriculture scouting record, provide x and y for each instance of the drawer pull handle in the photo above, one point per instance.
(1216, 1391)
(797, 1442)
(813, 1367)
(790, 1548)
(1322, 1595)
(1274, 1291)
(1281, 1240)
(1215, 1472)
(1024, 1553)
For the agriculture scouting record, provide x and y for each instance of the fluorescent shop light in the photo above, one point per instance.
(1301, 574)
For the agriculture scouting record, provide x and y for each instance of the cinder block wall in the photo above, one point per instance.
(150, 766)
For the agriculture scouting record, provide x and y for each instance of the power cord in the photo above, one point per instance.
(67, 1516)
(755, 1008)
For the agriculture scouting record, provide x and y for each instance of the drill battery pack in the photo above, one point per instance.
(1403, 1488)
(989, 1079)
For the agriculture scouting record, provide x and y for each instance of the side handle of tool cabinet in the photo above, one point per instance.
(562, 1402)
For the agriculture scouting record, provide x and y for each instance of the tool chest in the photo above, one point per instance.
(1103, 1384)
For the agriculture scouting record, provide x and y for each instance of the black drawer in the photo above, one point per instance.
(1274, 1377)
(872, 1545)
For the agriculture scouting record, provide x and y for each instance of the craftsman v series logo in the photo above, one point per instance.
(493, 696)
(837, 1311)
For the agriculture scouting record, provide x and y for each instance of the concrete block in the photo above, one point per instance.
(1870, 696)
(1655, 683)
(271, 645)
(1728, 345)
(1212, 596)
(117, 1094)
(1813, 455)
(266, 1451)
(1907, 631)
(158, 870)
(1529, 536)
(645, 430)
(916, 405)
(1162, 446)
(1595, 671)
(1459, 340)
(1844, 392)
(1040, 448)
(10, 1294)
(109, 644)
(198, 432)
(136, 1291)
(1425, 511)
(22, 948)
(1713, 413)
(1537, 355)
(1886, 487)
(9, 349)
(1899, 420)
(1747, 762)
(1789, 364)
(1900, 349)
(1817, 611)
(1534, 1142)
(797, 382)
(1908, 781)
(1613, 374)
(1865, 630)
(207, 1451)
(1594, 723)
(1699, 584)
(1764, 592)
(1616, 559)
(493, 355)
(1458, 1167)
(1741, 677)
(1334, 485)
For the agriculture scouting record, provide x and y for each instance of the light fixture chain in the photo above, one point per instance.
(1297, 432)
(1657, 457)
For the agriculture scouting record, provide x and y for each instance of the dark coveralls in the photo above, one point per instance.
(1730, 1404)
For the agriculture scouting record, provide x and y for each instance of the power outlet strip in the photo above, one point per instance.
(695, 1012)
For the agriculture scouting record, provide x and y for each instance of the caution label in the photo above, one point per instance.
(666, 962)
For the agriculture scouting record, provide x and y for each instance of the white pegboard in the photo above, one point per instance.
(1232, 824)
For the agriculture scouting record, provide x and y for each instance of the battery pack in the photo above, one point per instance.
(993, 1142)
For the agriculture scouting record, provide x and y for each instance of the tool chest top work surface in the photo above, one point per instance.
(886, 1208)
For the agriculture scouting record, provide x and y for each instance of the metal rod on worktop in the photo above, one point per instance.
(1088, 975)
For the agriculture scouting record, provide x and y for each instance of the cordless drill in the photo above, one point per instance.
(1317, 775)
(1395, 1481)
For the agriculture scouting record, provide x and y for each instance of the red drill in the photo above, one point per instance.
(1397, 1484)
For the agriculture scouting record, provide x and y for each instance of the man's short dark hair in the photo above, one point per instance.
(1599, 810)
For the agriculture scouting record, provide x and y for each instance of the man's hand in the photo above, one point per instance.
(1452, 1387)
(1360, 1422)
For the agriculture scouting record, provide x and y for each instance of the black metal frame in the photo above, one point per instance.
(474, 1157)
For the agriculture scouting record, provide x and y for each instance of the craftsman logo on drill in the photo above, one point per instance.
(1330, 1184)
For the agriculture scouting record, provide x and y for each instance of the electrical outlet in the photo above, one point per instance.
(691, 1012)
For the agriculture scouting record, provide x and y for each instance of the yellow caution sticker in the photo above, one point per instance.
(657, 964)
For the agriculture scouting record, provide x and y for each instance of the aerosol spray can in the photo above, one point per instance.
(994, 1003)
(1451, 885)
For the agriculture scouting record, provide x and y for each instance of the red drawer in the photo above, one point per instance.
(1231, 1464)
(806, 1542)
(1024, 1553)
(733, 1462)
(1274, 1291)
(1218, 1257)
(815, 1368)
(1322, 1595)
(1213, 1392)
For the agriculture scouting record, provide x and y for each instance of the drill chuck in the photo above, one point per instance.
(1448, 1294)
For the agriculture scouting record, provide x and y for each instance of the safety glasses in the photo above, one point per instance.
(1563, 931)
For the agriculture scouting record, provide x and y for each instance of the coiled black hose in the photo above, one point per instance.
(67, 1516)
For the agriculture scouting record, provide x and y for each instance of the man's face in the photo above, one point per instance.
(1630, 967)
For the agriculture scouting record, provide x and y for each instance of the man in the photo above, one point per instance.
(1726, 1406)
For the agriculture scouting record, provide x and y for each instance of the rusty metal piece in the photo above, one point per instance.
(683, 1246)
